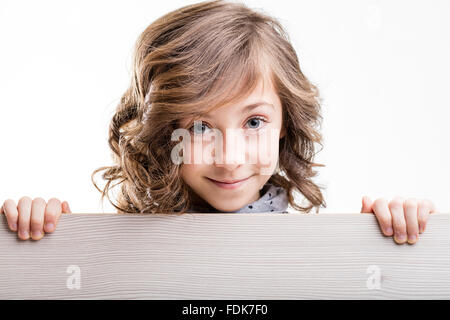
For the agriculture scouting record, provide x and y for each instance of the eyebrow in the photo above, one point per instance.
(251, 107)
(257, 104)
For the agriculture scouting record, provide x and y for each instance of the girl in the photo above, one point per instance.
(222, 68)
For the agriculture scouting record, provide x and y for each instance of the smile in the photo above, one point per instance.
(229, 185)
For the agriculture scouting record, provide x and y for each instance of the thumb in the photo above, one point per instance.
(366, 205)
(65, 207)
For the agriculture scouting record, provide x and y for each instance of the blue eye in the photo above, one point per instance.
(255, 121)
(201, 128)
(198, 129)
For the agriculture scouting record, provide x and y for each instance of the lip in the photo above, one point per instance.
(229, 184)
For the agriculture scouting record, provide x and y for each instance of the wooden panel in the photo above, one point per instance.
(225, 256)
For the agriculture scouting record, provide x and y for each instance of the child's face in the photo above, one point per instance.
(200, 175)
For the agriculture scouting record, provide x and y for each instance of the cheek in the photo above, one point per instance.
(266, 146)
(267, 150)
(198, 151)
(190, 172)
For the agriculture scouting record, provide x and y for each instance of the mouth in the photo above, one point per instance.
(229, 184)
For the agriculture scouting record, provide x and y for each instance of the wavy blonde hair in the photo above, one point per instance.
(206, 54)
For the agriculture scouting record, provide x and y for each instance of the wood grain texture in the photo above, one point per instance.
(225, 256)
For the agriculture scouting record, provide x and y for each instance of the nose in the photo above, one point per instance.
(234, 150)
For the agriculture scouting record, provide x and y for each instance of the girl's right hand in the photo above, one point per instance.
(33, 217)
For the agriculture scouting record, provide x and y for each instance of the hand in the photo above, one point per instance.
(35, 215)
(404, 219)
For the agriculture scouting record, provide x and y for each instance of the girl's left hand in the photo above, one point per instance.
(404, 219)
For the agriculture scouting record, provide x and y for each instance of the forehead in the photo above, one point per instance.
(231, 93)
(263, 92)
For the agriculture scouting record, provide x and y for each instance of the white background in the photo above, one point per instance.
(382, 68)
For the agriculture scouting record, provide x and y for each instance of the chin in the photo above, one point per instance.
(228, 207)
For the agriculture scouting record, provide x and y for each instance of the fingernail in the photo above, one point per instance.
(400, 237)
(14, 226)
(389, 231)
(36, 234)
(24, 233)
(412, 238)
(49, 226)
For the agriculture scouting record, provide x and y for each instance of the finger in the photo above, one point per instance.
(398, 219)
(433, 208)
(425, 207)
(381, 210)
(412, 224)
(9, 208)
(53, 211)
(366, 205)
(65, 207)
(37, 218)
(24, 209)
